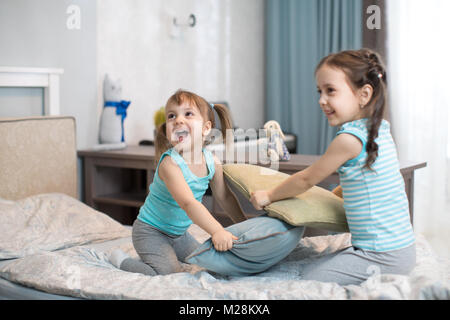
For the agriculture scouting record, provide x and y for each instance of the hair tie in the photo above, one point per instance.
(212, 105)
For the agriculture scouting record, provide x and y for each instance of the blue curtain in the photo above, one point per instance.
(298, 34)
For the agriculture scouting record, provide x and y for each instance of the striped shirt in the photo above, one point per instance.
(375, 202)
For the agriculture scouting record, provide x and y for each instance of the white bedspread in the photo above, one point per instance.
(51, 221)
(85, 272)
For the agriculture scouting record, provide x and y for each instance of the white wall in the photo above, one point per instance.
(221, 58)
(34, 34)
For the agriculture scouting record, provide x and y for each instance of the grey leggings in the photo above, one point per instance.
(353, 265)
(160, 253)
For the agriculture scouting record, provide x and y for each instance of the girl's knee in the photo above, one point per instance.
(317, 275)
(162, 266)
(168, 268)
(335, 275)
(338, 278)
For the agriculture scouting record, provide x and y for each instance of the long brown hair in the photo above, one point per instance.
(363, 67)
(162, 144)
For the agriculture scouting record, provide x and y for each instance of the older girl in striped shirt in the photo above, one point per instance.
(352, 88)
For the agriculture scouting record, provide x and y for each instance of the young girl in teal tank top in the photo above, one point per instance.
(184, 171)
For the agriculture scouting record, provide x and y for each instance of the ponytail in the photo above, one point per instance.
(224, 117)
(162, 144)
(376, 77)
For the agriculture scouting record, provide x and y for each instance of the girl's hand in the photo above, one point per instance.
(223, 240)
(260, 199)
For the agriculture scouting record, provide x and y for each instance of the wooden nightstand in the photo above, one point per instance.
(116, 182)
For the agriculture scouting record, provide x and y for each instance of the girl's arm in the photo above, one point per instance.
(344, 147)
(224, 196)
(173, 178)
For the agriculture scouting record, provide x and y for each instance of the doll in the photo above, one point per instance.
(113, 114)
(276, 148)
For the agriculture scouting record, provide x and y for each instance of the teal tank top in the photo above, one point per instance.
(160, 209)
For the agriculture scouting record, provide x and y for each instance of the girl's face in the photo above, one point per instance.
(338, 100)
(185, 127)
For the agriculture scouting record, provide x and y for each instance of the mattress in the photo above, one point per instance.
(14, 291)
(52, 246)
(430, 279)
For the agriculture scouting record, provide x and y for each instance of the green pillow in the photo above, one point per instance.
(316, 208)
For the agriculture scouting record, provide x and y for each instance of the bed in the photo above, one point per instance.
(53, 246)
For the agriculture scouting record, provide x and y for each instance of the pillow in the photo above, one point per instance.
(263, 241)
(316, 208)
(52, 221)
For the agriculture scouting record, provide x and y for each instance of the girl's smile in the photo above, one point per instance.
(180, 135)
(338, 100)
(185, 127)
(328, 112)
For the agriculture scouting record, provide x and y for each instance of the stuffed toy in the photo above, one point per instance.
(113, 114)
(276, 148)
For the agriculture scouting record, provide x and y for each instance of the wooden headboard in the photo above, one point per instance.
(37, 155)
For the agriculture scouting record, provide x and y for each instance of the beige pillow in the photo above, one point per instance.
(316, 208)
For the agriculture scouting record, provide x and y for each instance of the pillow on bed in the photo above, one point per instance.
(317, 207)
(263, 241)
(52, 221)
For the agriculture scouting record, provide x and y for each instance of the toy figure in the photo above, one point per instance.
(113, 114)
(276, 148)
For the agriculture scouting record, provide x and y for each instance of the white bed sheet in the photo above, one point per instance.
(85, 272)
(15, 291)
